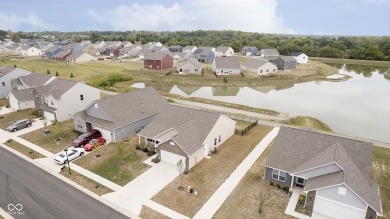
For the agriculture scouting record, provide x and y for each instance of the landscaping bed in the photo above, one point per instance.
(244, 200)
(119, 162)
(85, 182)
(208, 175)
(62, 130)
(24, 150)
(14, 116)
(381, 174)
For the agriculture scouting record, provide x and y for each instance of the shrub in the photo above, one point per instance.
(168, 73)
(271, 183)
(103, 84)
(156, 160)
(170, 100)
(71, 75)
(286, 189)
(139, 146)
(77, 132)
(36, 113)
(278, 186)
(48, 71)
(15, 66)
(117, 77)
(225, 80)
(57, 73)
(145, 149)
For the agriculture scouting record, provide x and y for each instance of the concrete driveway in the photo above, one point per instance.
(136, 193)
(5, 135)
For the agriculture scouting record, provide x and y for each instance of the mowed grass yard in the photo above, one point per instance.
(381, 174)
(120, 162)
(3, 102)
(24, 150)
(208, 175)
(14, 116)
(62, 130)
(244, 201)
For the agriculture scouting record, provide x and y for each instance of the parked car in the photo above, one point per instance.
(86, 137)
(20, 124)
(72, 154)
(94, 143)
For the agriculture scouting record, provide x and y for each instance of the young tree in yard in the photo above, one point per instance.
(48, 71)
(262, 198)
(71, 75)
(180, 168)
(57, 73)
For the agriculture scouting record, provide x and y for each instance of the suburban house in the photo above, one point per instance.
(334, 173)
(130, 51)
(191, 66)
(185, 134)
(158, 61)
(7, 74)
(21, 99)
(50, 52)
(226, 66)
(60, 99)
(4, 49)
(98, 44)
(224, 51)
(258, 66)
(190, 49)
(119, 116)
(126, 44)
(62, 55)
(249, 51)
(81, 57)
(284, 62)
(15, 50)
(181, 56)
(155, 44)
(204, 54)
(301, 57)
(30, 81)
(176, 48)
(268, 52)
(30, 51)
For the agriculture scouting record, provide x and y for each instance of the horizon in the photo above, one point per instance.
(330, 18)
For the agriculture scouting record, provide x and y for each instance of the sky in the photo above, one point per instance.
(306, 17)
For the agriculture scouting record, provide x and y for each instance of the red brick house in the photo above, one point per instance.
(159, 61)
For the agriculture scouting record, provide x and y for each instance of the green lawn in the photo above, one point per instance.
(24, 150)
(14, 116)
(120, 162)
(306, 121)
(62, 130)
(381, 174)
(351, 61)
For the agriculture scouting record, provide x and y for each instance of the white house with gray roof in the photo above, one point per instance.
(21, 99)
(30, 51)
(190, 49)
(268, 52)
(79, 57)
(32, 80)
(191, 66)
(333, 172)
(226, 66)
(258, 66)
(301, 57)
(7, 74)
(224, 51)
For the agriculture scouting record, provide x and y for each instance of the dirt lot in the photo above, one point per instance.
(244, 201)
(381, 174)
(120, 162)
(62, 130)
(24, 150)
(148, 213)
(209, 174)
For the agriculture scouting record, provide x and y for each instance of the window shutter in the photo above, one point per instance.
(286, 180)
(270, 173)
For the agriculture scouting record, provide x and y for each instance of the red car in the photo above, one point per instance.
(86, 137)
(94, 143)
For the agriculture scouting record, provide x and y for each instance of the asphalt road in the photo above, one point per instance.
(42, 195)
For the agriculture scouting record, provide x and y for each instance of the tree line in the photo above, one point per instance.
(347, 47)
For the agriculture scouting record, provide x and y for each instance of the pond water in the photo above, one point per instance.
(357, 107)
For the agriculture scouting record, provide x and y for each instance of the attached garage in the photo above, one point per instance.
(13, 102)
(106, 134)
(332, 209)
(49, 116)
(172, 158)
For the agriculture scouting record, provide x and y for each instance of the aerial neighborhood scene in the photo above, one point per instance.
(195, 109)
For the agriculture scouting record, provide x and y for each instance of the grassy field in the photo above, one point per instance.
(381, 174)
(62, 130)
(244, 200)
(120, 162)
(310, 122)
(209, 174)
(24, 150)
(85, 182)
(14, 116)
(351, 61)
(3, 102)
(148, 213)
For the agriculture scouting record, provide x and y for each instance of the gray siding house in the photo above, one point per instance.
(284, 62)
(249, 51)
(333, 172)
(204, 54)
(119, 116)
(176, 48)
(7, 75)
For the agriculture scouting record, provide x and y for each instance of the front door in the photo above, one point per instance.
(88, 126)
(300, 182)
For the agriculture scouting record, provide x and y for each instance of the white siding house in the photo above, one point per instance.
(30, 51)
(7, 74)
(301, 57)
(191, 66)
(81, 57)
(224, 51)
(226, 66)
(259, 67)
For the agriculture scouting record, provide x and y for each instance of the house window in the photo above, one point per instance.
(81, 97)
(261, 71)
(279, 175)
(51, 102)
(215, 141)
(196, 69)
(267, 70)
(3, 83)
(219, 140)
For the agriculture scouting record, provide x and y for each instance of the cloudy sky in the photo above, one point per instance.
(320, 17)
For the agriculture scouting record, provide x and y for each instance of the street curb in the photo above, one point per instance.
(5, 214)
(70, 182)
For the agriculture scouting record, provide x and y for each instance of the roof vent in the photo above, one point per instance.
(172, 143)
(96, 105)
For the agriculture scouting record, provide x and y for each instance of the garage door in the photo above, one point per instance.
(49, 116)
(335, 210)
(172, 158)
(106, 134)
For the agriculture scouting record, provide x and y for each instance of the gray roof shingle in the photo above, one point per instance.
(23, 95)
(229, 62)
(255, 63)
(155, 56)
(35, 79)
(56, 88)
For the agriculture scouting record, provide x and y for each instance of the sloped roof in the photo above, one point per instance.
(5, 70)
(35, 79)
(270, 52)
(23, 95)
(56, 88)
(61, 54)
(192, 126)
(75, 55)
(227, 62)
(296, 150)
(255, 63)
(194, 62)
(222, 48)
(188, 47)
(296, 53)
(155, 56)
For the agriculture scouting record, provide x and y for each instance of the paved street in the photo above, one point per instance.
(43, 195)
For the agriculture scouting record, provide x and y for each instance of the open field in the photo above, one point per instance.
(351, 61)
(148, 213)
(208, 175)
(62, 130)
(85, 182)
(15, 116)
(120, 162)
(381, 174)
(24, 150)
(244, 200)
(309, 122)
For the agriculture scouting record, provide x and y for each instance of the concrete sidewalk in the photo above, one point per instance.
(95, 177)
(218, 198)
(290, 210)
(33, 147)
(5, 135)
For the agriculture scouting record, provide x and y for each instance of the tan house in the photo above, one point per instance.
(81, 57)
(259, 67)
(191, 66)
(224, 51)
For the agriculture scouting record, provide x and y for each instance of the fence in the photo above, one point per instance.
(246, 129)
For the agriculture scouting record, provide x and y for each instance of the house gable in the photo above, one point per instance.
(317, 171)
(95, 111)
(342, 194)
